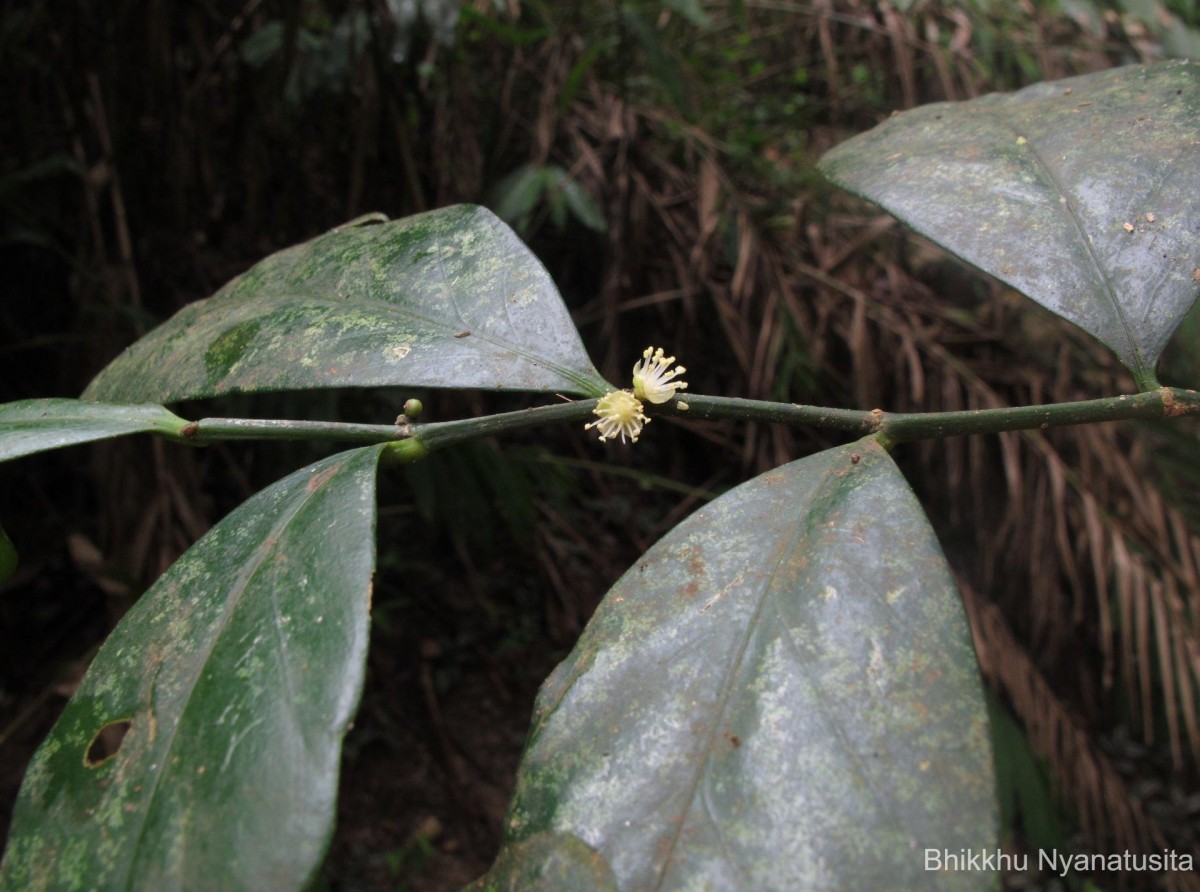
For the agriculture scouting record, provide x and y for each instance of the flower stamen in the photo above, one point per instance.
(619, 414)
(652, 376)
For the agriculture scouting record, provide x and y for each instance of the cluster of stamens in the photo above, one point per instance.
(619, 412)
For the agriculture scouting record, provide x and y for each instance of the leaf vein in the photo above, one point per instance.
(1086, 240)
(237, 590)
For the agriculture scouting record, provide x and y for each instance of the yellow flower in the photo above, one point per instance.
(620, 412)
(651, 378)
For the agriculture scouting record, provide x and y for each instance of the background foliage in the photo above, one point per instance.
(659, 158)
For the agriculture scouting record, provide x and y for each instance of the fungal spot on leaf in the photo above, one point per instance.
(319, 480)
(106, 743)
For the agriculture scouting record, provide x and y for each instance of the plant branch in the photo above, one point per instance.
(214, 430)
(432, 436)
(440, 434)
(901, 427)
(894, 427)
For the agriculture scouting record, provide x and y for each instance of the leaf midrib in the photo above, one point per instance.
(735, 666)
(237, 591)
(1082, 235)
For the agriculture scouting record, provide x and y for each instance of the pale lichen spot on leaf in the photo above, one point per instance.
(877, 668)
(524, 296)
(778, 698)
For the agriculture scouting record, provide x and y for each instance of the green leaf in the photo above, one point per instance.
(692, 11)
(519, 194)
(582, 207)
(30, 426)
(234, 680)
(450, 298)
(1081, 193)
(781, 694)
(262, 45)
(1023, 786)
(660, 63)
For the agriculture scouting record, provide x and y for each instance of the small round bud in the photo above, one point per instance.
(403, 452)
(413, 409)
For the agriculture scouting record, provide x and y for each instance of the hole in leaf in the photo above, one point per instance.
(106, 743)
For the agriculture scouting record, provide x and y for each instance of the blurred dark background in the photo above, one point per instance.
(659, 158)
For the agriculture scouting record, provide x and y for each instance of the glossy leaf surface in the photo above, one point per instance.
(1080, 193)
(30, 426)
(547, 862)
(450, 298)
(782, 694)
(234, 679)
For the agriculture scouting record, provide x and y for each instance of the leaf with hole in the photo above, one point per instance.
(203, 744)
(782, 694)
(30, 426)
(449, 298)
(1080, 193)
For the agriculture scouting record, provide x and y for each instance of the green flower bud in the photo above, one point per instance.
(403, 452)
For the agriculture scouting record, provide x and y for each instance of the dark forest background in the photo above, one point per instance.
(659, 158)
